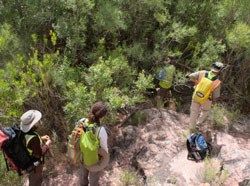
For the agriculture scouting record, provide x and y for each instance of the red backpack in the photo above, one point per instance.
(12, 145)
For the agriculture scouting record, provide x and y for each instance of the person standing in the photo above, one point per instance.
(207, 90)
(37, 145)
(91, 174)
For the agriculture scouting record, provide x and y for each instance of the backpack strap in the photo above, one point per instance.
(28, 138)
(91, 126)
(6, 161)
(206, 74)
(215, 84)
(98, 131)
(201, 74)
(78, 132)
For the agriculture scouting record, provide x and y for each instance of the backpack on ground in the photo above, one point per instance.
(205, 87)
(12, 145)
(89, 143)
(73, 150)
(198, 148)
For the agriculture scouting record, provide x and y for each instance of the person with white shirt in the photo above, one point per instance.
(91, 174)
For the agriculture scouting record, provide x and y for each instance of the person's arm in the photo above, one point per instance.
(194, 77)
(216, 93)
(103, 137)
(37, 150)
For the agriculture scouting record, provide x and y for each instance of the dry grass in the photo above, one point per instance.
(213, 172)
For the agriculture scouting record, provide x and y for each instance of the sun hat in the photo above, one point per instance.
(29, 119)
(217, 67)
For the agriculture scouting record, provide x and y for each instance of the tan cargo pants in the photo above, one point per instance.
(199, 112)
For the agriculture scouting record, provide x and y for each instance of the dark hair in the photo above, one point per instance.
(98, 110)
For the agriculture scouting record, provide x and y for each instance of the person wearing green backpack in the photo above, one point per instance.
(207, 90)
(93, 145)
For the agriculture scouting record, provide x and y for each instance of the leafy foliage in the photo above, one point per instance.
(110, 80)
(9, 44)
(76, 52)
(222, 117)
(8, 178)
(236, 40)
(209, 52)
(61, 56)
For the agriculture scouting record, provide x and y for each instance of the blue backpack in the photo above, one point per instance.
(198, 148)
(200, 142)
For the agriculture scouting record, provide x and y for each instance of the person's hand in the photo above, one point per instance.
(48, 142)
(45, 138)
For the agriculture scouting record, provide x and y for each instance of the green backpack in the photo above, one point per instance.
(89, 143)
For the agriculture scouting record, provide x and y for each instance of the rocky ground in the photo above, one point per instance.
(153, 152)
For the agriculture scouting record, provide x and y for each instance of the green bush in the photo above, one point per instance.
(111, 80)
(10, 177)
(221, 116)
(208, 52)
(212, 173)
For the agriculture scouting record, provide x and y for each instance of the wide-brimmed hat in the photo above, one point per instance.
(29, 119)
(217, 67)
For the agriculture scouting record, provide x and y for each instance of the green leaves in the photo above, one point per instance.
(111, 80)
(143, 82)
(31, 79)
(180, 32)
(208, 52)
(9, 44)
(239, 36)
(107, 50)
(114, 78)
(109, 17)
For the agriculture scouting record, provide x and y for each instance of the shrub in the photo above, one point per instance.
(222, 117)
(10, 177)
(212, 172)
(111, 80)
(130, 178)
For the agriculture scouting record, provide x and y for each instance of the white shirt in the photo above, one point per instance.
(103, 137)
